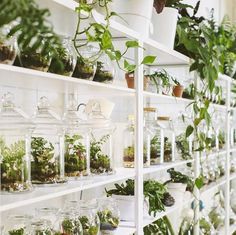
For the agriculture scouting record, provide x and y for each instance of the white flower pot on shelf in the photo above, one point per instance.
(136, 14)
(164, 26)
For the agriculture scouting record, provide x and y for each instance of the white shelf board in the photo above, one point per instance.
(14, 76)
(124, 230)
(214, 154)
(9, 201)
(165, 166)
(214, 185)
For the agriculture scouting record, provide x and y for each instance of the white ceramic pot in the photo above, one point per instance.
(164, 26)
(136, 14)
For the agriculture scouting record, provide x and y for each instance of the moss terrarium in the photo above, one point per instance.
(155, 154)
(88, 228)
(104, 73)
(167, 150)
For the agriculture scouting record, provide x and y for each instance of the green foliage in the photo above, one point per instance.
(88, 228)
(102, 75)
(17, 232)
(182, 145)
(71, 227)
(205, 226)
(107, 220)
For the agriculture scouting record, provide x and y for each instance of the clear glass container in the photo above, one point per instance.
(8, 46)
(109, 215)
(41, 227)
(101, 141)
(15, 138)
(215, 166)
(105, 72)
(86, 64)
(17, 225)
(211, 172)
(47, 166)
(77, 143)
(204, 172)
(169, 138)
(89, 219)
(67, 57)
(221, 165)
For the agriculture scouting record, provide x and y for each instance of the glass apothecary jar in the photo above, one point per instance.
(109, 215)
(101, 141)
(67, 57)
(17, 225)
(41, 227)
(105, 72)
(47, 165)
(88, 218)
(77, 144)
(8, 46)
(168, 138)
(15, 138)
(86, 65)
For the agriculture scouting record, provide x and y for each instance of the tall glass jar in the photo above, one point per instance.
(67, 57)
(8, 46)
(47, 166)
(89, 219)
(15, 138)
(109, 215)
(169, 138)
(17, 224)
(101, 141)
(77, 146)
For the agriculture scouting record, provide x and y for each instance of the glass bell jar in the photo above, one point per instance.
(47, 165)
(101, 140)
(77, 144)
(15, 138)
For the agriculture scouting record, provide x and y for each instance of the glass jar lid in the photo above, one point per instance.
(11, 117)
(44, 117)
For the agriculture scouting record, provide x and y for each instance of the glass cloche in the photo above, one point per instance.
(15, 138)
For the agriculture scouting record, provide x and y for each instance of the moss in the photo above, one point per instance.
(107, 220)
(102, 75)
(167, 150)
(7, 54)
(88, 228)
(84, 69)
(17, 232)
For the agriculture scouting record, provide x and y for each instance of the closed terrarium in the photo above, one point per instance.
(40, 226)
(66, 61)
(8, 46)
(76, 144)
(15, 130)
(46, 146)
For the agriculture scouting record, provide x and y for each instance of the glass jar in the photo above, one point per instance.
(109, 215)
(89, 219)
(15, 138)
(76, 144)
(169, 138)
(221, 165)
(67, 57)
(41, 227)
(86, 64)
(221, 139)
(8, 46)
(211, 172)
(204, 172)
(47, 165)
(215, 166)
(101, 141)
(35, 59)
(105, 72)
(17, 225)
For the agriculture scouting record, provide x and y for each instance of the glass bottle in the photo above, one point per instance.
(169, 138)
(211, 172)
(8, 46)
(101, 141)
(89, 219)
(109, 215)
(16, 131)
(105, 72)
(17, 225)
(86, 64)
(77, 146)
(47, 166)
(67, 57)
(41, 227)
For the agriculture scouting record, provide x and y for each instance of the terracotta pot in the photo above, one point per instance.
(178, 91)
(131, 81)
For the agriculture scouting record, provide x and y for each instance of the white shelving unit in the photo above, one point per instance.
(21, 78)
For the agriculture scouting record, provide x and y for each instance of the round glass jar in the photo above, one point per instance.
(76, 150)
(101, 141)
(105, 72)
(17, 225)
(88, 218)
(109, 215)
(47, 165)
(15, 138)
(86, 65)
(8, 46)
(41, 227)
(67, 57)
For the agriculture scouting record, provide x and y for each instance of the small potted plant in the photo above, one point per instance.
(178, 89)
(104, 73)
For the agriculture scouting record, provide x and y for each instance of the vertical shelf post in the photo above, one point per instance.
(139, 140)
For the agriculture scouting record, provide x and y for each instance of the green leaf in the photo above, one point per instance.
(149, 59)
(129, 67)
(199, 182)
(189, 131)
(132, 44)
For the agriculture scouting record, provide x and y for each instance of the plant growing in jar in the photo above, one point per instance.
(71, 227)
(167, 150)
(88, 228)
(44, 168)
(108, 221)
(75, 156)
(221, 139)
(102, 74)
(99, 162)
(182, 146)
(12, 167)
(155, 154)
(20, 231)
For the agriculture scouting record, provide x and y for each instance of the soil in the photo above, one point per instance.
(155, 158)
(15, 187)
(68, 67)
(84, 71)
(7, 56)
(103, 76)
